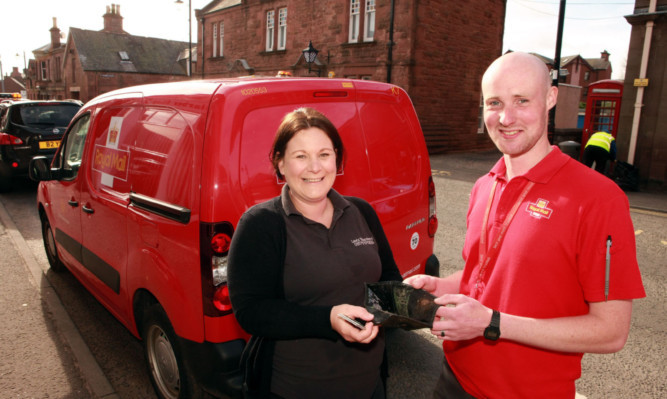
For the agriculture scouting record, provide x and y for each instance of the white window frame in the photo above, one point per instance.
(369, 21)
(270, 29)
(221, 34)
(355, 11)
(480, 115)
(215, 40)
(282, 28)
(44, 70)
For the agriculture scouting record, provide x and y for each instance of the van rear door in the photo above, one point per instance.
(387, 163)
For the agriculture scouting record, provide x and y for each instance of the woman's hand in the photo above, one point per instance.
(349, 332)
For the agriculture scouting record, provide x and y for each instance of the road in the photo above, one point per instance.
(415, 357)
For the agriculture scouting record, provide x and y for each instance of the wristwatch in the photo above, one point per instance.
(492, 332)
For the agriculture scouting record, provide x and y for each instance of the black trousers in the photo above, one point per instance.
(596, 154)
(448, 387)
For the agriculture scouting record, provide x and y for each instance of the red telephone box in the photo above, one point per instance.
(603, 107)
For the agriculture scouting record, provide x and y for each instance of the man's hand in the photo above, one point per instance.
(460, 317)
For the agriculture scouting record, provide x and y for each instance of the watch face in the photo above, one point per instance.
(492, 333)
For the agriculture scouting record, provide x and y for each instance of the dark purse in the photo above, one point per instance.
(252, 361)
(395, 304)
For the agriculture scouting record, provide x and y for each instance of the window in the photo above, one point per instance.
(215, 40)
(369, 21)
(356, 18)
(73, 64)
(222, 38)
(44, 70)
(354, 21)
(72, 151)
(480, 116)
(270, 23)
(282, 28)
(587, 75)
(123, 56)
(57, 69)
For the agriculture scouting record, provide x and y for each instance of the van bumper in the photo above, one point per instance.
(215, 366)
(432, 267)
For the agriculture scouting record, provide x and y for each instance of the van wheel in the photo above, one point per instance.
(6, 184)
(168, 374)
(50, 246)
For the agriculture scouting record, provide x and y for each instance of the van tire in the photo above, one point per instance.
(50, 246)
(164, 359)
(6, 184)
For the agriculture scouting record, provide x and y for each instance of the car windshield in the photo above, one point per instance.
(41, 115)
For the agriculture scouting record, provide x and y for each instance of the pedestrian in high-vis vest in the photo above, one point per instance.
(600, 148)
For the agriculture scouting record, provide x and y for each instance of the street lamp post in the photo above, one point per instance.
(310, 54)
(189, 34)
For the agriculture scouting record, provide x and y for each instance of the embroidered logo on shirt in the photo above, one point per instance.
(539, 209)
(363, 241)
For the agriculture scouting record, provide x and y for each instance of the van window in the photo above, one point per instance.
(258, 180)
(388, 130)
(115, 132)
(163, 165)
(73, 146)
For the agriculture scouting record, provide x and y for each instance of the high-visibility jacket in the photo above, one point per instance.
(601, 139)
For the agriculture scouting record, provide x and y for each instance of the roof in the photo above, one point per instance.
(218, 5)
(104, 51)
(598, 63)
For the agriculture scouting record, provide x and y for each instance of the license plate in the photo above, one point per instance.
(44, 145)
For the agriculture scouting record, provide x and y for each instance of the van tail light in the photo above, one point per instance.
(8, 139)
(215, 239)
(432, 217)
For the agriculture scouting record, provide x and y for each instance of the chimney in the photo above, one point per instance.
(15, 73)
(113, 22)
(55, 35)
(604, 55)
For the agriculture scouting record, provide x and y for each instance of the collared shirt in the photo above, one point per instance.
(323, 267)
(551, 264)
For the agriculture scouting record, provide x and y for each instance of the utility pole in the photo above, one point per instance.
(555, 74)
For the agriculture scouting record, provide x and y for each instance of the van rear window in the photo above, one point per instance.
(379, 138)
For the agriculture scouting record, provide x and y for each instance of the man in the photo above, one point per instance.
(549, 274)
(600, 148)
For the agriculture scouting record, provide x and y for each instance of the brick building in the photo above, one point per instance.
(44, 78)
(95, 62)
(14, 82)
(439, 53)
(584, 71)
(650, 121)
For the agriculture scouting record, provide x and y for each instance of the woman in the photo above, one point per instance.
(300, 260)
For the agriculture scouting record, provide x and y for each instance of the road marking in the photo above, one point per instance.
(440, 172)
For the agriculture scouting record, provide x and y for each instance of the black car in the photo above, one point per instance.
(30, 128)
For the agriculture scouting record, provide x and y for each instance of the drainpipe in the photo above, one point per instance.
(203, 40)
(391, 43)
(640, 90)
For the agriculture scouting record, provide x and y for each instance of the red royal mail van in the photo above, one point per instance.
(142, 198)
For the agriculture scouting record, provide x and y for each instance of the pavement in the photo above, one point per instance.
(40, 345)
(470, 166)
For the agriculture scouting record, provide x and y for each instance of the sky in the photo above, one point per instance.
(590, 26)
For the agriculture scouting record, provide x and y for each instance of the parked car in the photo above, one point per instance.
(141, 201)
(29, 128)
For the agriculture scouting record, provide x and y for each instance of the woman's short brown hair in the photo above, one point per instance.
(298, 120)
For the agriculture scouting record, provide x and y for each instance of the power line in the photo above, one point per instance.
(553, 14)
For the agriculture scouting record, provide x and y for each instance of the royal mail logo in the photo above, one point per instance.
(539, 209)
(111, 161)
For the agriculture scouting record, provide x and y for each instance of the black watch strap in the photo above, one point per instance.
(492, 332)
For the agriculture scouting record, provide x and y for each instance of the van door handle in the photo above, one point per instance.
(88, 210)
(74, 203)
